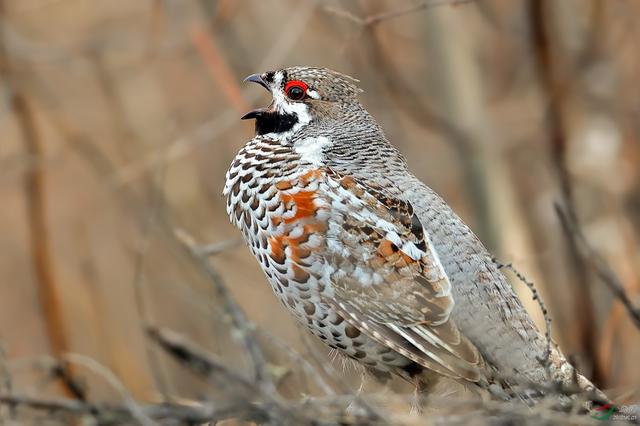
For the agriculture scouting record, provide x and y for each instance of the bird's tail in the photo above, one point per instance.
(562, 384)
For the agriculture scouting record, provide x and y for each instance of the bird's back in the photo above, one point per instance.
(487, 310)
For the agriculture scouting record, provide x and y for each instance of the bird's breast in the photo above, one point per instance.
(275, 200)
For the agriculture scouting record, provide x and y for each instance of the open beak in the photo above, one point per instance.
(257, 78)
(256, 113)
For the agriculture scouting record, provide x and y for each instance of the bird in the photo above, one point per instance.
(370, 259)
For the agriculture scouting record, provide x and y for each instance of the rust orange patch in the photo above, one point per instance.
(386, 248)
(305, 208)
(315, 227)
(294, 245)
(391, 253)
(283, 185)
(347, 182)
(277, 249)
(304, 202)
(298, 253)
(403, 260)
(310, 175)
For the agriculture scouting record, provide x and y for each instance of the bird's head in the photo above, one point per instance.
(301, 95)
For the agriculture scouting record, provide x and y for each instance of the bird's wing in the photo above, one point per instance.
(388, 280)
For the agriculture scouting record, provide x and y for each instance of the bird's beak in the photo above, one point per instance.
(257, 78)
(256, 113)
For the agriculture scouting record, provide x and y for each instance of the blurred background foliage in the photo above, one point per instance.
(119, 118)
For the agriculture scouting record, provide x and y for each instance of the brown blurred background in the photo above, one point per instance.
(119, 118)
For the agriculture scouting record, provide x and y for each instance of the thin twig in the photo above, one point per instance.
(102, 371)
(554, 386)
(242, 328)
(6, 384)
(39, 235)
(200, 361)
(148, 226)
(289, 35)
(298, 359)
(329, 370)
(208, 132)
(108, 414)
(543, 308)
(177, 149)
(203, 363)
(597, 263)
(546, 55)
(463, 412)
(217, 248)
(377, 18)
(269, 339)
(218, 67)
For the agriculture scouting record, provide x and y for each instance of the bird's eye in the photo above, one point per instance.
(296, 90)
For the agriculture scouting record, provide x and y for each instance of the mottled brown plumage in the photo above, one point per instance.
(371, 260)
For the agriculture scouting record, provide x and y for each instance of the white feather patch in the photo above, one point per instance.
(311, 149)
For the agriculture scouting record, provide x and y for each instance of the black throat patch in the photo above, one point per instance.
(274, 122)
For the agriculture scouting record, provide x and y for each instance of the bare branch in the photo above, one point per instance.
(242, 328)
(209, 131)
(245, 391)
(148, 225)
(597, 263)
(217, 248)
(199, 361)
(377, 18)
(102, 371)
(218, 67)
(545, 313)
(546, 53)
(114, 414)
(6, 383)
(298, 359)
(40, 244)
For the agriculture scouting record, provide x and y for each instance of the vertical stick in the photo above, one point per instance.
(556, 94)
(39, 239)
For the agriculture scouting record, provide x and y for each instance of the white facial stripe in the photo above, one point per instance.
(283, 105)
(279, 97)
(278, 78)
